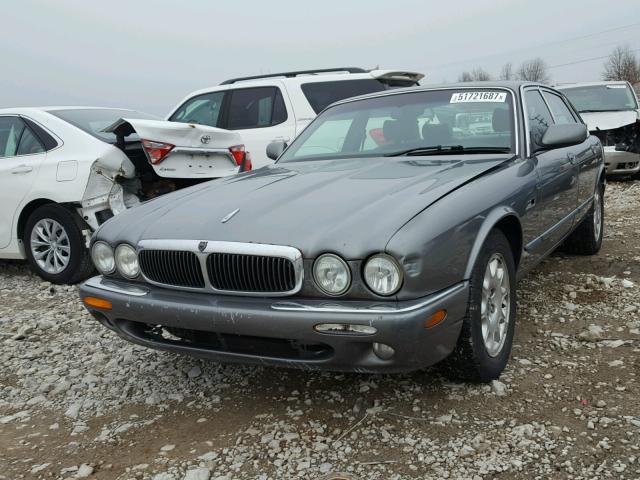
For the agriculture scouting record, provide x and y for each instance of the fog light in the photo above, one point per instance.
(344, 329)
(382, 351)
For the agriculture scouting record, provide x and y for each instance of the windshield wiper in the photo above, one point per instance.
(447, 150)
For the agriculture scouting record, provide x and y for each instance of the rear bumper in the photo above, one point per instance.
(280, 332)
(621, 163)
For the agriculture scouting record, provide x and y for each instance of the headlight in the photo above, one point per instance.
(127, 261)
(382, 274)
(331, 274)
(102, 256)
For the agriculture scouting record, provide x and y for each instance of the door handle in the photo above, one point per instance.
(21, 169)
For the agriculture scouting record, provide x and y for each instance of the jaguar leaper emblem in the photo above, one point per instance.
(202, 246)
(205, 139)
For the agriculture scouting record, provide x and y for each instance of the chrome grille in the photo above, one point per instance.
(250, 273)
(172, 267)
(251, 269)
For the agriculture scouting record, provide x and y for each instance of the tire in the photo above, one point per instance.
(475, 359)
(586, 239)
(61, 228)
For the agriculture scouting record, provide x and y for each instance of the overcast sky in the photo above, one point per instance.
(149, 54)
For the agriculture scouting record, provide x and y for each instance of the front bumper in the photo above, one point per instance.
(280, 332)
(621, 163)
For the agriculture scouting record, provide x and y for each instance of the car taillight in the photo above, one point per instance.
(241, 157)
(156, 151)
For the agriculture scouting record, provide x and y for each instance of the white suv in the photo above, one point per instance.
(276, 107)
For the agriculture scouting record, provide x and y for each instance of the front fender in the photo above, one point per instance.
(493, 218)
(439, 247)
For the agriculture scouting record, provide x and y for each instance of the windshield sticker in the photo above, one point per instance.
(463, 97)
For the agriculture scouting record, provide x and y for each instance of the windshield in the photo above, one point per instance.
(601, 98)
(94, 120)
(466, 119)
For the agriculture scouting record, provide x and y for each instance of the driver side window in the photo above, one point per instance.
(538, 116)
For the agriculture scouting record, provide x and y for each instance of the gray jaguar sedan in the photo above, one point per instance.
(387, 237)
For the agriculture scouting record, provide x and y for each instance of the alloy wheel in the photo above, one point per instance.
(50, 246)
(495, 305)
(597, 214)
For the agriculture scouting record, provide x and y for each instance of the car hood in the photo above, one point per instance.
(608, 120)
(349, 206)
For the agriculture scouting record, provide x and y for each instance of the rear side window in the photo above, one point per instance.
(538, 115)
(255, 108)
(561, 112)
(11, 129)
(46, 140)
(322, 94)
(202, 110)
(29, 143)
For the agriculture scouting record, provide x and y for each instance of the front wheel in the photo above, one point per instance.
(54, 244)
(484, 344)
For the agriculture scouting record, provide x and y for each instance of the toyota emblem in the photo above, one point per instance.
(205, 139)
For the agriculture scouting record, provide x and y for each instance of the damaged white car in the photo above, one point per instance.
(66, 170)
(611, 112)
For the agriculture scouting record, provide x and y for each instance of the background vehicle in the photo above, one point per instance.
(363, 252)
(612, 113)
(66, 170)
(268, 108)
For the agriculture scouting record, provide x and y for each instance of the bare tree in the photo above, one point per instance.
(507, 72)
(465, 77)
(475, 75)
(534, 70)
(622, 64)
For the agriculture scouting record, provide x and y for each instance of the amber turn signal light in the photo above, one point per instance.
(97, 303)
(435, 319)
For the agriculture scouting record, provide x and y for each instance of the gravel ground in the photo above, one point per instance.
(78, 402)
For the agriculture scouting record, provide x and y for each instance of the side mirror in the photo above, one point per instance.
(275, 149)
(564, 135)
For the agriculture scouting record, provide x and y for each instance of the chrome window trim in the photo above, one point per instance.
(240, 248)
(378, 309)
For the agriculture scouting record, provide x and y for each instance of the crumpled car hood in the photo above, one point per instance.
(348, 206)
(608, 120)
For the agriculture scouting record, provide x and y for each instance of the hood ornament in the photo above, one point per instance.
(202, 246)
(229, 216)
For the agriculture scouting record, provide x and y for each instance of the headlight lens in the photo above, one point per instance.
(127, 261)
(102, 256)
(383, 275)
(331, 274)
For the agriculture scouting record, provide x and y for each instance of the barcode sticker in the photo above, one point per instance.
(462, 97)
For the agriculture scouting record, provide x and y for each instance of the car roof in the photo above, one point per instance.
(513, 85)
(295, 80)
(560, 86)
(18, 110)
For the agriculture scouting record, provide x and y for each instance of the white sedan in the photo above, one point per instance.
(66, 170)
